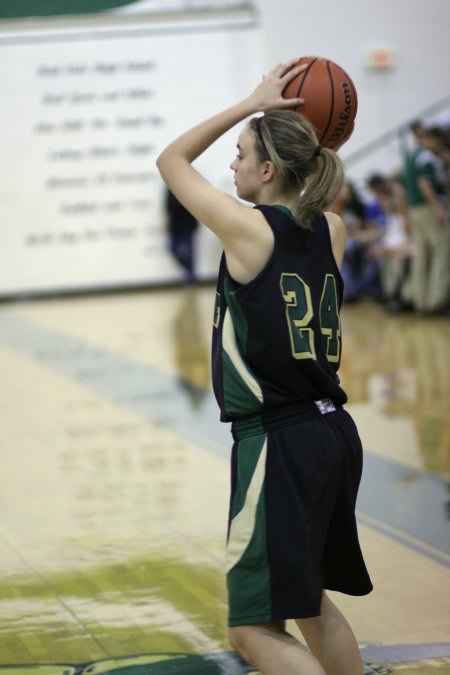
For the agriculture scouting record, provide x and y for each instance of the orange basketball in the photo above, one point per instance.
(330, 98)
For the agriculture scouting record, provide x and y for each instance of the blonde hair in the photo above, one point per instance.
(289, 141)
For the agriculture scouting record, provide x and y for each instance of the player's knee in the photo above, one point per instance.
(243, 638)
(238, 638)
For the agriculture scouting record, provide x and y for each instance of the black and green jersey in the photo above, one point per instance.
(277, 339)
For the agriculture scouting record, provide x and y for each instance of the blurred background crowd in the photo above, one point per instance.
(398, 248)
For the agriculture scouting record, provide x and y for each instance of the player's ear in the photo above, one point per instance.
(268, 171)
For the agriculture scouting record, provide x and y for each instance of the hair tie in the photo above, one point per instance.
(317, 150)
(259, 132)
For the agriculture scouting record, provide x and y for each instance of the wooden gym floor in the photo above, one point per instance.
(114, 487)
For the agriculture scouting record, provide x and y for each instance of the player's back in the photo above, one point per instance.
(277, 339)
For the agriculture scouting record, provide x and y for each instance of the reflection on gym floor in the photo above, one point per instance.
(114, 487)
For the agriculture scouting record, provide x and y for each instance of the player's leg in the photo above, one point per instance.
(272, 651)
(331, 640)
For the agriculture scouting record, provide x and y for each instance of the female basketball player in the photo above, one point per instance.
(297, 457)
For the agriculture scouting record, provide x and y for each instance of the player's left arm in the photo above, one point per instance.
(338, 234)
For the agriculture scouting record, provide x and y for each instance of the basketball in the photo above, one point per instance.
(330, 98)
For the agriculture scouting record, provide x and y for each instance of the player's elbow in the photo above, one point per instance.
(162, 162)
(168, 163)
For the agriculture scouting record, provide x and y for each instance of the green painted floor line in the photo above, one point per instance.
(377, 659)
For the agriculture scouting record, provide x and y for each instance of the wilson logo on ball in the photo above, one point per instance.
(344, 116)
(330, 99)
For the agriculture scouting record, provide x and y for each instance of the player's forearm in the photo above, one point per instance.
(194, 142)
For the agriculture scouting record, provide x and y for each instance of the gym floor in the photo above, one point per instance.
(114, 487)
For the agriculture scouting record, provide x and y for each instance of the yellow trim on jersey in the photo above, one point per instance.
(230, 347)
(299, 313)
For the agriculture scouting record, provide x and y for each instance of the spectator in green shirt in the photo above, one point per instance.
(423, 179)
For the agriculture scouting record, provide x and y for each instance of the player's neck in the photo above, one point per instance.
(283, 200)
(270, 196)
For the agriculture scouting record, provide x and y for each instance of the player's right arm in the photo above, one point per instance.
(243, 231)
(338, 234)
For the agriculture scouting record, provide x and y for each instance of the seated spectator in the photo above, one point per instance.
(393, 249)
(359, 270)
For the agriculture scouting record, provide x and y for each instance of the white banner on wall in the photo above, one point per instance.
(83, 115)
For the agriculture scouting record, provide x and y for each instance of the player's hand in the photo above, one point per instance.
(268, 94)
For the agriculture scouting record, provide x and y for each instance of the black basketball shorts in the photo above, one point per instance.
(292, 527)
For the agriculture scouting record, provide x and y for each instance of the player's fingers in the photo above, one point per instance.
(289, 64)
(291, 102)
(293, 72)
(285, 71)
(281, 68)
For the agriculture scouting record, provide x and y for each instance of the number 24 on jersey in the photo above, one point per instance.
(299, 313)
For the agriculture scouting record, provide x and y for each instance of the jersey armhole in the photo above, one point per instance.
(237, 286)
(330, 250)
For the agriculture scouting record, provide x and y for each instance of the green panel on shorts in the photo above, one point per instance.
(248, 452)
(248, 582)
(248, 578)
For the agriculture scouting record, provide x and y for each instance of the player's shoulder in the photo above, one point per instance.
(338, 235)
(336, 225)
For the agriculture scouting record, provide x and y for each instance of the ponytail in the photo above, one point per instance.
(322, 187)
(316, 173)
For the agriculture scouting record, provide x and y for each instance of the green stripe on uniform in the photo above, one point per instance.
(242, 391)
(248, 574)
